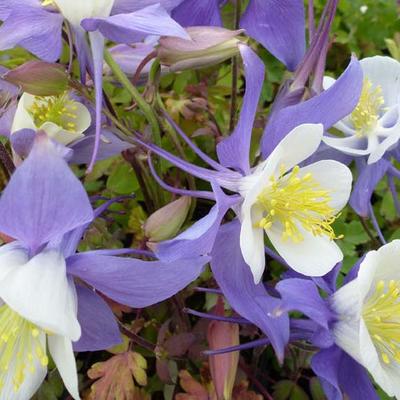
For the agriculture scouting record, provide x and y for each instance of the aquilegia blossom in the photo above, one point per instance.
(46, 210)
(373, 127)
(294, 206)
(357, 327)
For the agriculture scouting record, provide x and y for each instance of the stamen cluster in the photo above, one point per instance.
(365, 116)
(294, 200)
(381, 314)
(60, 110)
(20, 347)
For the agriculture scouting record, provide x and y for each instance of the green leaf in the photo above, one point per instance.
(122, 179)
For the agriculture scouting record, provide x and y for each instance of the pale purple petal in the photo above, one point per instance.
(99, 326)
(34, 28)
(135, 282)
(35, 207)
(133, 27)
(369, 177)
(302, 295)
(327, 108)
(128, 6)
(199, 238)
(198, 13)
(110, 145)
(279, 25)
(22, 141)
(236, 281)
(234, 150)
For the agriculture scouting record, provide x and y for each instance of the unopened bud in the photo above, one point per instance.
(39, 78)
(208, 46)
(166, 222)
(223, 367)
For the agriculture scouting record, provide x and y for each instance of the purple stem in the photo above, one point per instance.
(215, 317)
(250, 345)
(375, 224)
(393, 190)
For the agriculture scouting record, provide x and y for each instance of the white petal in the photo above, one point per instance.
(32, 381)
(299, 144)
(349, 145)
(83, 118)
(22, 119)
(383, 264)
(252, 241)
(393, 136)
(12, 255)
(385, 72)
(334, 177)
(76, 11)
(40, 292)
(59, 134)
(313, 256)
(327, 82)
(370, 360)
(63, 355)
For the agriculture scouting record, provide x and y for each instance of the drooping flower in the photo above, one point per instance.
(294, 222)
(373, 126)
(42, 305)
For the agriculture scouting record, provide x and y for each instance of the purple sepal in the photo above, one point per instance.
(22, 141)
(302, 295)
(327, 108)
(99, 326)
(234, 150)
(369, 177)
(200, 237)
(34, 207)
(128, 6)
(341, 375)
(279, 25)
(135, 26)
(109, 146)
(249, 300)
(34, 28)
(135, 282)
(198, 13)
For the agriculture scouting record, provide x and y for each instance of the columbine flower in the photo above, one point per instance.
(357, 327)
(297, 223)
(294, 206)
(42, 306)
(373, 127)
(368, 326)
(62, 118)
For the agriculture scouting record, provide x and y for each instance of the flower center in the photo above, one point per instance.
(365, 116)
(20, 347)
(293, 200)
(60, 110)
(381, 314)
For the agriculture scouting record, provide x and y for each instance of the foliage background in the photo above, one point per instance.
(171, 340)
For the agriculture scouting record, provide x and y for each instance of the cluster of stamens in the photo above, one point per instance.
(365, 116)
(381, 314)
(20, 347)
(60, 110)
(294, 200)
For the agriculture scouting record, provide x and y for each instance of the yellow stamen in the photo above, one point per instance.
(57, 109)
(293, 201)
(381, 314)
(46, 3)
(20, 347)
(365, 116)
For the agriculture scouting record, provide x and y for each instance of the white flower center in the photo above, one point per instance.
(365, 116)
(20, 347)
(381, 314)
(60, 110)
(293, 201)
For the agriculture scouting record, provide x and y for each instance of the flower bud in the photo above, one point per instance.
(39, 78)
(223, 367)
(208, 46)
(166, 222)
